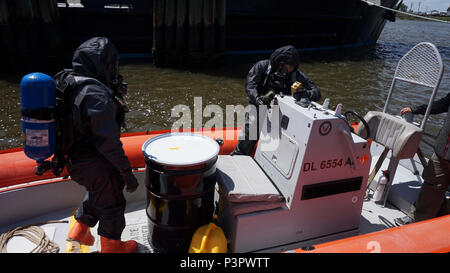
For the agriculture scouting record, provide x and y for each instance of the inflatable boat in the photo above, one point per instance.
(28, 200)
(313, 184)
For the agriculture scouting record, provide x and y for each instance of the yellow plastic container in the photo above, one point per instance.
(208, 239)
(295, 86)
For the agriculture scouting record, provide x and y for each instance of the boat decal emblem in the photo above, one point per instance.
(325, 128)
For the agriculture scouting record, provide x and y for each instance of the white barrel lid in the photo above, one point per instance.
(180, 149)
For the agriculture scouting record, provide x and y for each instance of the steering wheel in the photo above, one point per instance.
(366, 125)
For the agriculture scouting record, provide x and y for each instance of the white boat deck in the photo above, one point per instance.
(373, 218)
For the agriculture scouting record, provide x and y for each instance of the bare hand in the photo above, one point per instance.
(405, 110)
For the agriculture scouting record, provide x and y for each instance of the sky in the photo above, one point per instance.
(427, 5)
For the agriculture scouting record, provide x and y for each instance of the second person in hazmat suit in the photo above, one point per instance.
(97, 159)
(265, 79)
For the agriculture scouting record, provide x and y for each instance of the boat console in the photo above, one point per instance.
(305, 184)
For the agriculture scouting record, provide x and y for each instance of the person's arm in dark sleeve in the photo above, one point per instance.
(254, 80)
(437, 107)
(311, 89)
(101, 112)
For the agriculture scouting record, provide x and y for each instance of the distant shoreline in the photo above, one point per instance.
(406, 17)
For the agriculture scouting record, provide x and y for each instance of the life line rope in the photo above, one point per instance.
(33, 233)
(406, 13)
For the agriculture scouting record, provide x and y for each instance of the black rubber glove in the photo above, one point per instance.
(300, 94)
(131, 183)
(266, 99)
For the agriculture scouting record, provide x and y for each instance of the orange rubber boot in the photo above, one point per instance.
(117, 246)
(80, 232)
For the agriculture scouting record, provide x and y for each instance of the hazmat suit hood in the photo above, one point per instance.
(94, 58)
(286, 54)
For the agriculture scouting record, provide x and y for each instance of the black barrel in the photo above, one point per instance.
(180, 182)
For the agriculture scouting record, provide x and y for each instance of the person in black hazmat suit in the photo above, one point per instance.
(265, 79)
(97, 159)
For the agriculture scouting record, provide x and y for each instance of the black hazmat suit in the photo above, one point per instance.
(260, 80)
(97, 159)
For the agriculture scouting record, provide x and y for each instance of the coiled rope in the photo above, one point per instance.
(34, 234)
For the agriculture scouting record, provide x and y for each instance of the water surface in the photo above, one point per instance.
(358, 79)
